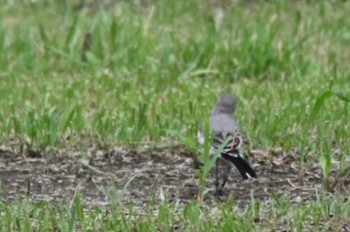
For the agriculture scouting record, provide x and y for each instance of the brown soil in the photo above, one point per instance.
(152, 174)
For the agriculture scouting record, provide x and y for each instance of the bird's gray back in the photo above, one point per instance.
(223, 123)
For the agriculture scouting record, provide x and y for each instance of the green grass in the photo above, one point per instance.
(324, 214)
(161, 68)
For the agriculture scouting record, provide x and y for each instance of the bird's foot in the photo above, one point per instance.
(218, 192)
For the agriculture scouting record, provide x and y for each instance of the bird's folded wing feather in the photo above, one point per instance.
(234, 143)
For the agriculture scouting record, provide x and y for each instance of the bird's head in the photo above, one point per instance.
(226, 104)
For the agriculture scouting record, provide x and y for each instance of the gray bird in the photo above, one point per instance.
(223, 126)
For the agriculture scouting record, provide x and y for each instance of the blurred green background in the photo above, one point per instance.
(152, 66)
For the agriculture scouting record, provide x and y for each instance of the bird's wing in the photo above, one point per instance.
(233, 144)
(222, 127)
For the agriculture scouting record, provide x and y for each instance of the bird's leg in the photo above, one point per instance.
(227, 173)
(218, 190)
(217, 176)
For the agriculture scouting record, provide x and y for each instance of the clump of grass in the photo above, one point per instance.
(325, 157)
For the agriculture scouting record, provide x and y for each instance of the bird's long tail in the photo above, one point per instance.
(241, 164)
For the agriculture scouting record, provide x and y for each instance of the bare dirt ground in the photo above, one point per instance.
(137, 176)
(153, 174)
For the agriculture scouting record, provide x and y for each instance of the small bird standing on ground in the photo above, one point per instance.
(223, 126)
